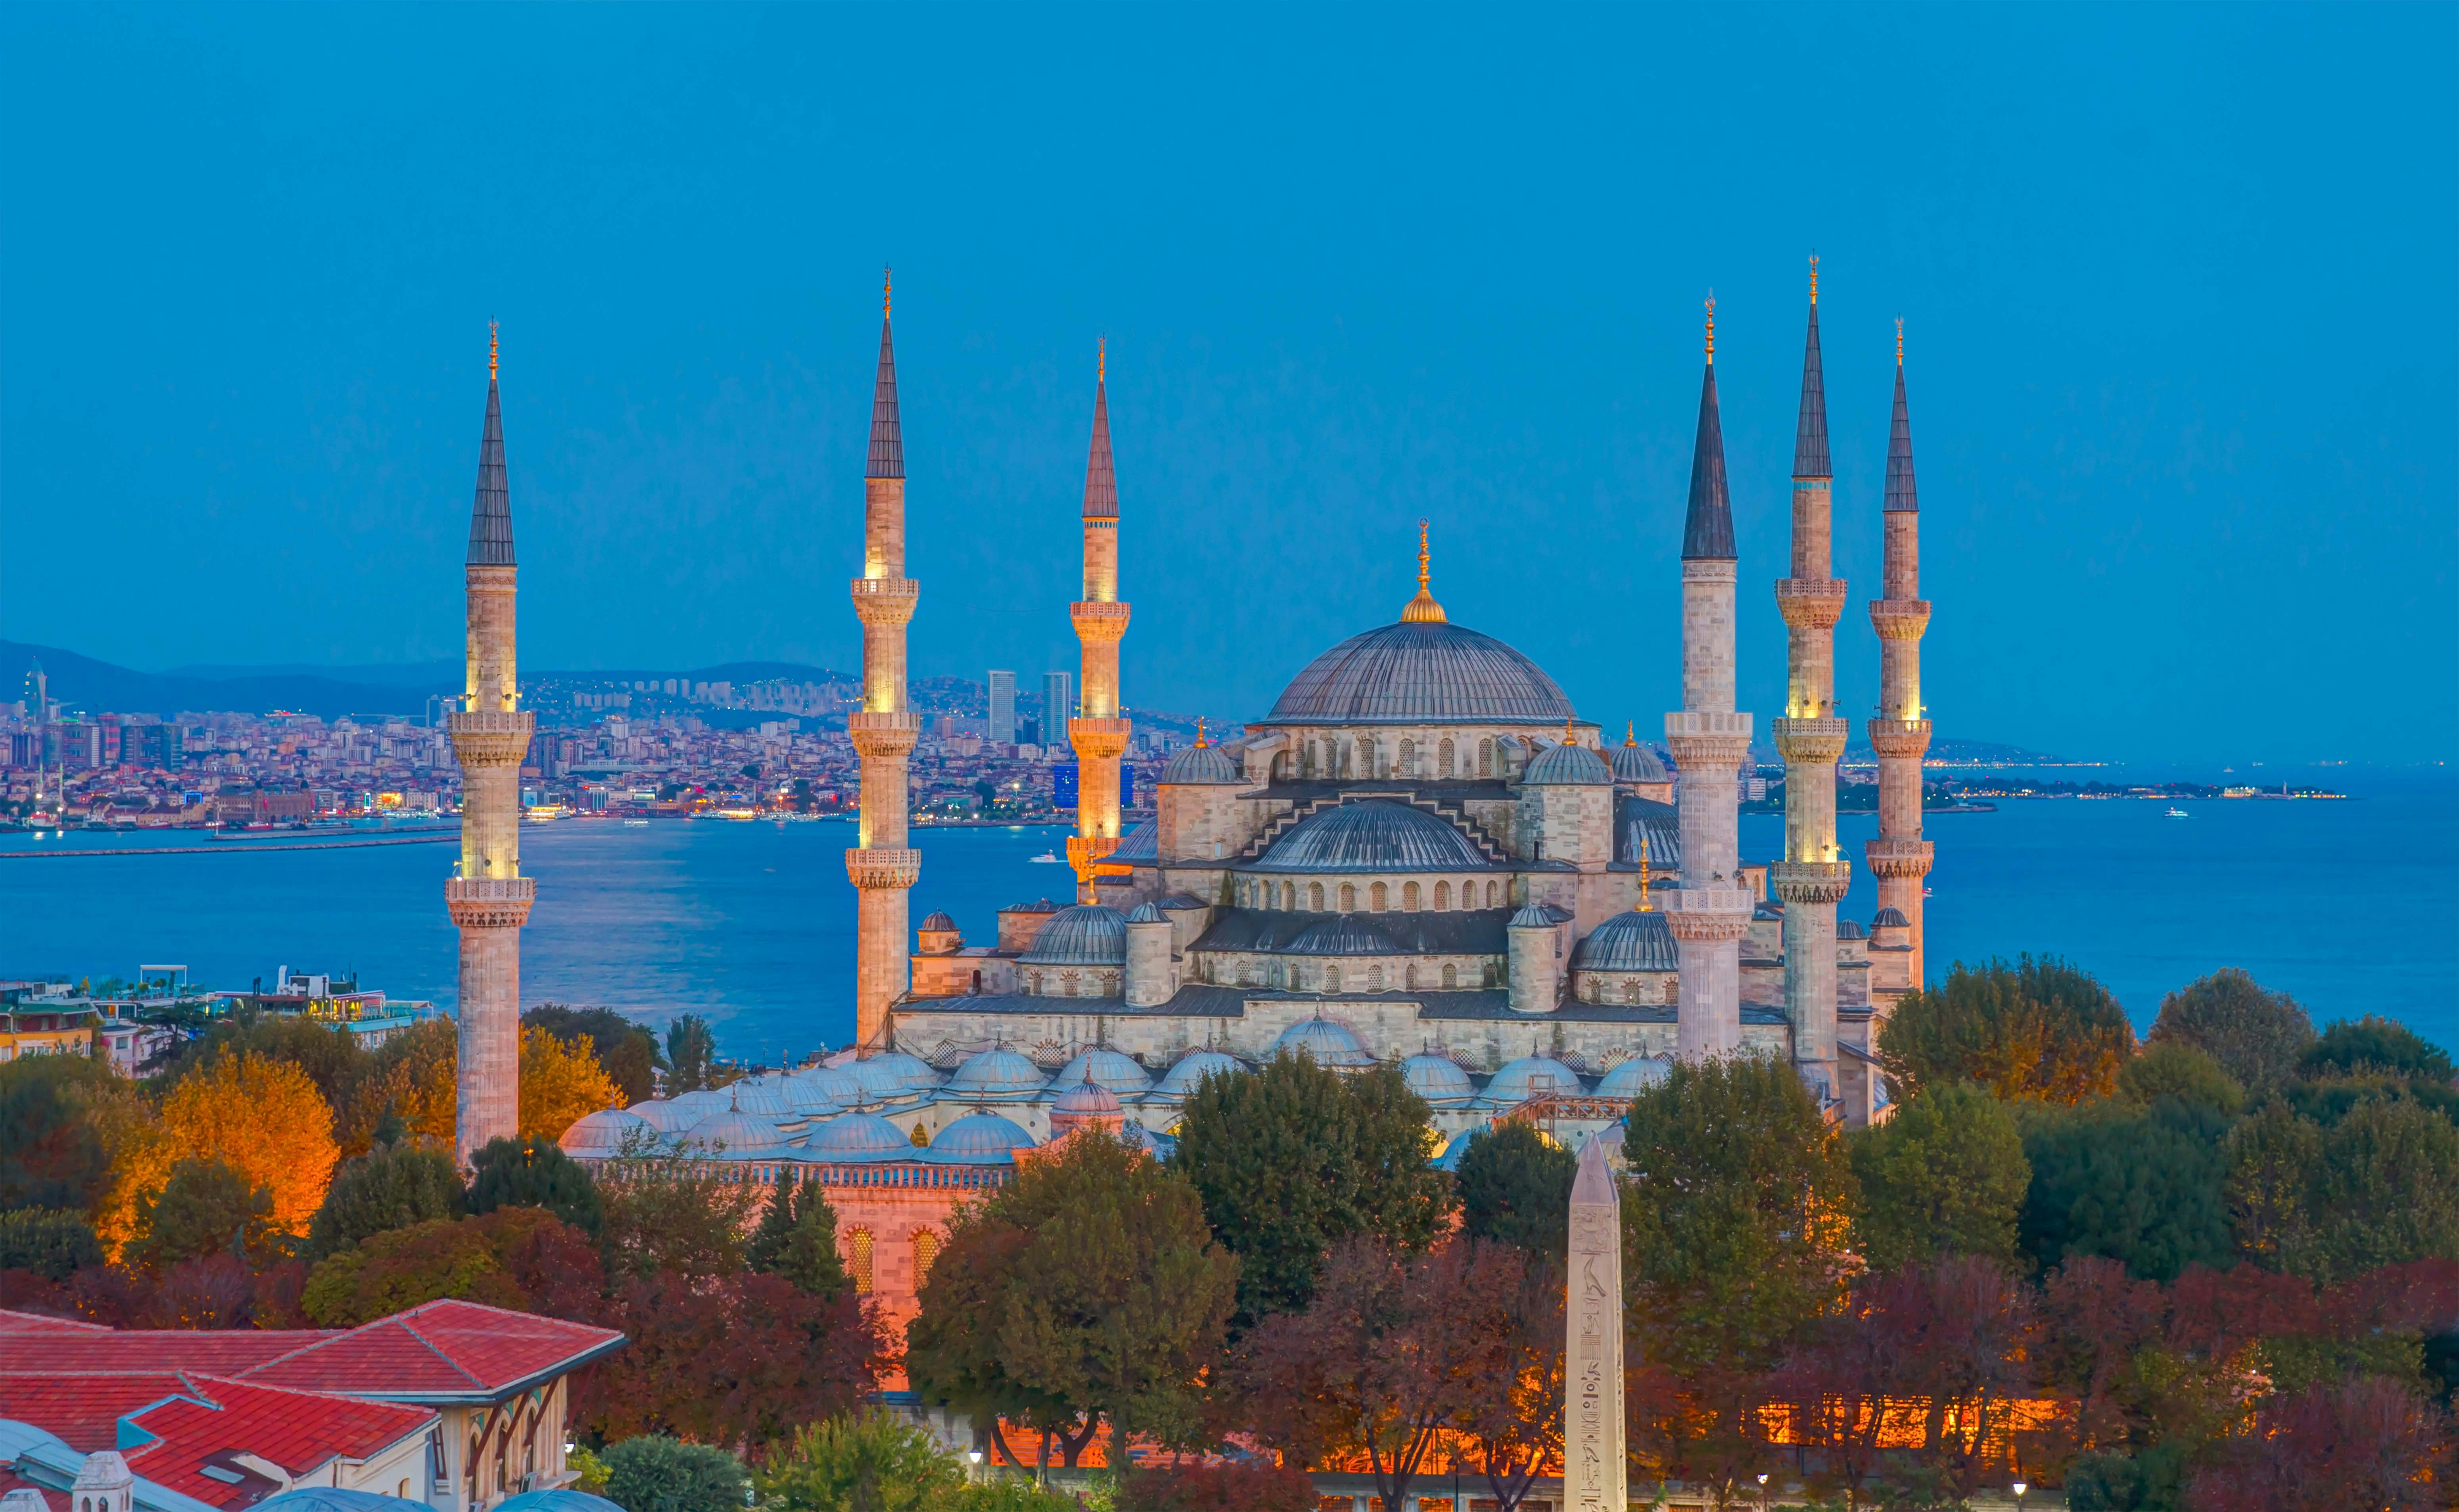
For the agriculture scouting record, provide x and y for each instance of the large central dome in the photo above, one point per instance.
(1423, 673)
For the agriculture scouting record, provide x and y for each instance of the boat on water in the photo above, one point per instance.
(2176, 812)
(636, 824)
(1048, 857)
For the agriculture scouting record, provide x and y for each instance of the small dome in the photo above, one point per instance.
(1147, 914)
(915, 1072)
(1530, 1076)
(940, 922)
(764, 1096)
(1326, 1042)
(1848, 929)
(561, 1500)
(1890, 918)
(1086, 1100)
(1437, 1078)
(807, 1098)
(878, 1082)
(605, 1131)
(858, 1137)
(336, 1498)
(1533, 916)
(1345, 936)
(1001, 1073)
(1449, 1159)
(666, 1118)
(979, 1139)
(737, 1135)
(1112, 1069)
(1372, 834)
(1207, 765)
(1628, 1078)
(836, 1082)
(1768, 907)
(1629, 941)
(1569, 766)
(1189, 1073)
(1086, 934)
(1634, 763)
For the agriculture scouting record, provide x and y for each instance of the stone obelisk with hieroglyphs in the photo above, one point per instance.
(1595, 1476)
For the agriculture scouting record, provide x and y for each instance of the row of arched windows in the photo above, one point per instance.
(1301, 976)
(1333, 757)
(862, 1258)
(1375, 898)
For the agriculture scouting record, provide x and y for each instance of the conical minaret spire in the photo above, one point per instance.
(1099, 736)
(1811, 877)
(487, 898)
(1900, 857)
(883, 866)
(1709, 740)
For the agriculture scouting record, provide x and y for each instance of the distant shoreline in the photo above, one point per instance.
(244, 848)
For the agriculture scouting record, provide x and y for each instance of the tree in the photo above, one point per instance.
(627, 1051)
(561, 1083)
(2378, 1044)
(2039, 1029)
(2170, 1068)
(411, 1077)
(523, 1259)
(740, 1359)
(1965, 1331)
(205, 1208)
(690, 1051)
(2378, 1187)
(2369, 1443)
(1945, 1175)
(666, 1215)
(952, 1352)
(1509, 1420)
(658, 1474)
(809, 1258)
(48, 1242)
(265, 1120)
(864, 1462)
(1223, 1487)
(50, 1154)
(2140, 1185)
(327, 1053)
(776, 1224)
(1292, 1157)
(535, 1173)
(2256, 1035)
(391, 1187)
(1515, 1186)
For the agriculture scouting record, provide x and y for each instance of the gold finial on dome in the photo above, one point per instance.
(1200, 741)
(1630, 732)
(491, 350)
(1570, 735)
(1423, 609)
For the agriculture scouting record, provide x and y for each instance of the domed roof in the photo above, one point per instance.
(1449, 1159)
(858, 1137)
(1890, 917)
(764, 1096)
(1634, 763)
(738, 1134)
(1437, 1078)
(1326, 1042)
(1140, 845)
(910, 1069)
(1086, 934)
(1344, 935)
(836, 1082)
(979, 1139)
(1208, 764)
(1532, 916)
(1629, 941)
(1184, 1078)
(1372, 834)
(1086, 1099)
(1000, 1073)
(807, 1097)
(1848, 929)
(561, 1500)
(940, 922)
(1421, 674)
(1628, 1078)
(605, 1131)
(1147, 914)
(879, 1081)
(1117, 1071)
(667, 1117)
(1529, 1077)
(337, 1499)
(1569, 766)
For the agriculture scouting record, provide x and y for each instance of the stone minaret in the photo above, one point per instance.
(883, 868)
(1811, 877)
(1710, 742)
(1900, 857)
(488, 897)
(1101, 737)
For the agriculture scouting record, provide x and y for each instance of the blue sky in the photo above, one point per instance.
(2176, 284)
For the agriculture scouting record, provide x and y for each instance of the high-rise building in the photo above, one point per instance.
(1004, 708)
(1058, 706)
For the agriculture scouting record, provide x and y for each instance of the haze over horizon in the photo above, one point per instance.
(2185, 401)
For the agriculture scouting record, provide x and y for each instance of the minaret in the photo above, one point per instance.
(1900, 857)
(882, 868)
(1710, 742)
(1811, 877)
(488, 897)
(1101, 737)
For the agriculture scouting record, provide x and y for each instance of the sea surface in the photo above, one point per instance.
(2348, 906)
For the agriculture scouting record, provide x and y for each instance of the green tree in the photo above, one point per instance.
(809, 1256)
(2380, 1186)
(952, 1352)
(205, 1208)
(2040, 1029)
(2143, 1187)
(767, 1241)
(522, 1259)
(2376, 1044)
(1292, 1157)
(1515, 1186)
(691, 1050)
(391, 1186)
(2256, 1035)
(657, 1474)
(1945, 1175)
(671, 1217)
(2172, 1068)
(51, 1153)
(53, 1243)
(860, 1462)
(535, 1173)
(627, 1051)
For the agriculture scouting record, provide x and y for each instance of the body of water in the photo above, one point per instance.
(2347, 905)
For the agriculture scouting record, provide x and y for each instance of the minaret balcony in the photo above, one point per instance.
(1809, 742)
(1899, 740)
(1809, 603)
(1899, 858)
(885, 601)
(490, 902)
(1099, 621)
(1810, 881)
(1707, 915)
(1100, 739)
(491, 737)
(880, 869)
(887, 733)
(1900, 619)
(1703, 743)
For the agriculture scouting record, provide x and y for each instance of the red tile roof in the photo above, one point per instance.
(448, 1350)
(56, 1501)
(299, 1431)
(15, 1322)
(84, 1408)
(224, 1352)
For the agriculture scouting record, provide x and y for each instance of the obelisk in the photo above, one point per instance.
(1595, 1475)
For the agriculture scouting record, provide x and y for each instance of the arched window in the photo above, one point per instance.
(1412, 970)
(1408, 757)
(1330, 978)
(1451, 976)
(1067, 984)
(1374, 978)
(1442, 896)
(1485, 758)
(926, 1249)
(1037, 984)
(1314, 897)
(1494, 894)
(1409, 896)
(1443, 758)
(1289, 897)
(1348, 897)
(858, 1260)
(1380, 898)
(1631, 991)
(1365, 757)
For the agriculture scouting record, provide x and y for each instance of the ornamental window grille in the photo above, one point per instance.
(1348, 897)
(926, 1249)
(1451, 976)
(1314, 897)
(1289, 897)
(1331, 978)
(1374, 978)
(1442, 897)
(1485, 758)
(1365, 757)
(1411, 978)
(1380, 896)
(1408, 757)
(858, 1260)
(1443, 758)
(1409, 896)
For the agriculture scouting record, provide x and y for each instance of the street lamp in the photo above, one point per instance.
(2020, 1488)
(1763, 1502)
(973, 1457)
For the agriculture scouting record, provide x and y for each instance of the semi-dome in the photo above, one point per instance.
(1372, 834)
(1422, 674)
(1189, 1074)
(1633, 1076)
(1629, 941)
(1345, 936)
(738, 1134)
(1847, 928)
(1112, 1068)
(604, 1132)
(1140, 845)
(1437, 1078)
(1568, 765)
(979, 1139)
(1449, 1159)
(704, 1105)
(1532, 916)
(1086, 934)
(667, 1117)
(1634, 763)
(1208, 765)
(1530, 1076)
(994, 1073)
(858, 1137)
(1326, 1042)
(1147, 913)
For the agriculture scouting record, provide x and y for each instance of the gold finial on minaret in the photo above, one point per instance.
(1645, 905)
(491, 350)
(1711, 327)
(1101, 361)
(1423, 609)
(1899, 340)
(887, 290)
(1200, 741)
(1814, 277)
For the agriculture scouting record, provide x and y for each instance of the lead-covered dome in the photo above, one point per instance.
(1422, 674)
(1373, 835)
(1530, 1076)
(604, 1132)
(1208, 765)
(999, 1073)
(1437, 1078)
(1086, 934)
(1112, 1068)
(1629, 941)
(978, 1138)
(1189, 1073)
(1634, 763)
(1634, 1076)
(858, 1137)
(1325, 1043)
(1570, 765)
